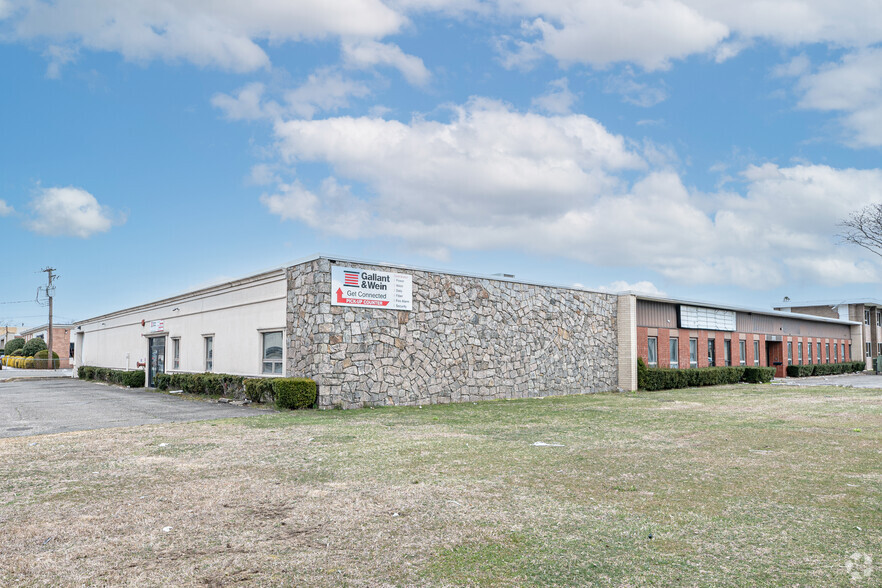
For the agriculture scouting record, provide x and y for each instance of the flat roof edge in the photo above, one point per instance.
(184, 295)
(705, 304)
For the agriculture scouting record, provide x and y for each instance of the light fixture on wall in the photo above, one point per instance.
(176, 309)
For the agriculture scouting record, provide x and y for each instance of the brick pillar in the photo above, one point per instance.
(626, 324)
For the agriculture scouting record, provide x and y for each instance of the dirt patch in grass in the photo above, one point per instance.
(739, 485)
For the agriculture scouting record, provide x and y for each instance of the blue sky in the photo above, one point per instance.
(698, 148)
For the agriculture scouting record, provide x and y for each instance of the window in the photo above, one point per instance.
(790, 353)
(652, 351)
(176, 354)
(272, 353)
(849, 353)
(209, 353)
(742, 352)
(827, 351)
(675, 352)
(756, 357)
(878, 319)
(869, 349)
(809, 352)
(693, 353)
(727, 350)
(711, 352)
(799, 352)
(866, 317)
(819, 351)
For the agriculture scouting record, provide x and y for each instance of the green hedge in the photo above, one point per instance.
(208, 383)
(41, 360)
(286, 392)
(758, 375)
(294, 393)
(133, 379)
(13, 345)
(668, 378)
(33, 346)
(825, 369)
(259, 389)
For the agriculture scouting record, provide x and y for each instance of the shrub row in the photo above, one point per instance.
(825, 369)
(667, 378)
(210, 384)
(40, 361)
(286, 392)
(133, 379)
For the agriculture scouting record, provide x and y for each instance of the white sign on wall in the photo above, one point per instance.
(157, 326)
(712, 319)
(360, 287)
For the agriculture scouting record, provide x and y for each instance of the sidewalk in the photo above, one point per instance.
(8, 373)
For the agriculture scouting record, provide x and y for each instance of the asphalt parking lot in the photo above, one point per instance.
(60, 405)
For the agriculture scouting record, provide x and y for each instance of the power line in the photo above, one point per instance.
(18, 302)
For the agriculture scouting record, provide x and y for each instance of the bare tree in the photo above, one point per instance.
(864, 228)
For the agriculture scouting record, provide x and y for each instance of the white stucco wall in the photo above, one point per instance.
(235, 314)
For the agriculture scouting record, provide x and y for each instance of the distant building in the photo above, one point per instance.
(7, 334)
(866, 311)
(683, 334)
(62, 340)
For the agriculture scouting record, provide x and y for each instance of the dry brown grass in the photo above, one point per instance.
(737, 485)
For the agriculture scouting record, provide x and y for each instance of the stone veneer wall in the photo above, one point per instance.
(466, 339)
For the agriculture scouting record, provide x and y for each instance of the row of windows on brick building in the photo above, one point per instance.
(674, 362)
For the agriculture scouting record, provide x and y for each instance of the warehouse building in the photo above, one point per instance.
(683, 334)
(374, 334)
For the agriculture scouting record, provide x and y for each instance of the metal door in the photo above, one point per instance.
(156, 361)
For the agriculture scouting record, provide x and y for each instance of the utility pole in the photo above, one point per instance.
(49, 292)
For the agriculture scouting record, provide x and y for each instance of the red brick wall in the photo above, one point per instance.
(663, 335)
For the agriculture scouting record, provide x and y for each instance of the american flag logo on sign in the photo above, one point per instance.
(350, 278)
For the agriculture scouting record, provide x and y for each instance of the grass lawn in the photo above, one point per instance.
(729, 486)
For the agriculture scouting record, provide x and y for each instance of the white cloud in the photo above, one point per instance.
(494, 178)
(70, 212)
(558, 99)
(641, 287)
(796, 67)
(58, 56)
(652, 33)
(853, 87)
(634, 92)
(247, 104)
(324, 90)
(794, 22)
(487, 160)
(364, 54)
(5, 209)
(222, 34)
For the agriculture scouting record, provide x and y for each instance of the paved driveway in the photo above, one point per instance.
(846, 380)
(42, 407)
